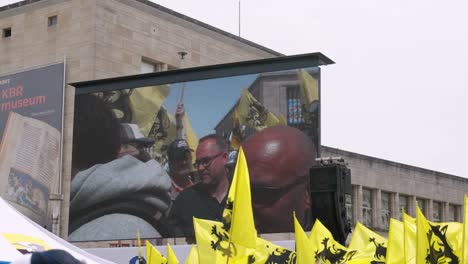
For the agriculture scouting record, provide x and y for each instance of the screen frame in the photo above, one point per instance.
(202, 73)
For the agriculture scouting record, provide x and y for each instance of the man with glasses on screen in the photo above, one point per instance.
(206, 199)
(279, 159)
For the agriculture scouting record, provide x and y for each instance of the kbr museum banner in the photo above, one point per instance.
(31, 110)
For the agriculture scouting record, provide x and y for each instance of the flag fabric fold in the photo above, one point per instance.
(242, 229)
(192, 257)
(304, 252)
(396, 243)
(171, 257)
(409, 228)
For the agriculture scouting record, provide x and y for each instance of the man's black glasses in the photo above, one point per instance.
(206, 161)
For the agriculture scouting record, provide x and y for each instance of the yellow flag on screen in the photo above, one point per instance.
(252, 113)
(309, 88)
(190, 135)
(145, 103)
(236, 136)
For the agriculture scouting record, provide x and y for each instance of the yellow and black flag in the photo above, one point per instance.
(326, 249)
(369, 244)
(253, 114)
(237, 133)
(438, 242)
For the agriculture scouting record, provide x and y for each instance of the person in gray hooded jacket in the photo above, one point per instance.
(110, 201)
(112, 197)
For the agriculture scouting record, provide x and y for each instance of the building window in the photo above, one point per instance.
(403, 206)
(437, 211)
(367, 207)
(422, 205)
(6, 32)
(52, 21)
(295, 116)
(385, 208)
(349, 207)
(453, 213)
(148, 66)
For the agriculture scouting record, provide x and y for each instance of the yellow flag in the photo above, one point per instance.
(236, 136)
(252, 113)
(308, 88)
(303, 245)
(190, 135)
(282, 120)
(428, 249)
(325, 248)
(213, 242)
(171, 257)
(242, 230)
(396, 242)
(267, 252)
(370, 244)
(465, 231)
(438, 242)
(153, 256)
(163, 132)
(409, 227)
(192, 257)
(145, 103)
(214, 247)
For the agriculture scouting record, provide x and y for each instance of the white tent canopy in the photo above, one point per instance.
(18, 232)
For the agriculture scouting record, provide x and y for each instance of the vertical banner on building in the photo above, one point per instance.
(31, 110)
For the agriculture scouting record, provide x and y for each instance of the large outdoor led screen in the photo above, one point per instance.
(138, 162)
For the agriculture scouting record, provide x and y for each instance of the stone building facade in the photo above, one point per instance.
(110, 38)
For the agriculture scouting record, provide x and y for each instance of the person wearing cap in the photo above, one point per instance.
(180, 166)
(134, 143)
(110, 197)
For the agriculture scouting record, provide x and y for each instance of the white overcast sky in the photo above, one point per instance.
(398, 90)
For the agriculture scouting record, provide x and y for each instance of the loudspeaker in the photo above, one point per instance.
(329, 185)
